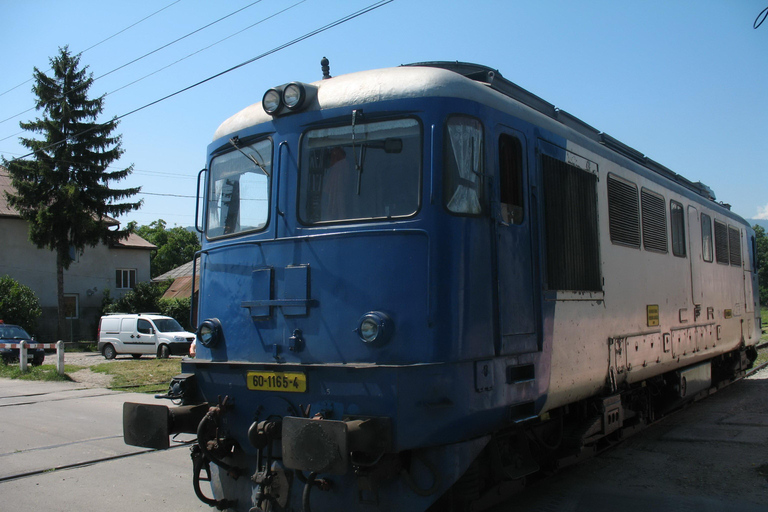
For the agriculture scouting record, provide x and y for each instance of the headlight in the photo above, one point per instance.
(179, 338)
(294, 95)
(271, 101)
(209, 332)
(374, 328)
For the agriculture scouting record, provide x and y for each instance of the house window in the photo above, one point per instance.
(623, 212)
(71, 308)
(125, 278)
(677, 218)
(721, 243)
(654, 221)
(734, 242)
(706, 237)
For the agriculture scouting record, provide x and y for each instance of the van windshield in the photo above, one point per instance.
(168, 325)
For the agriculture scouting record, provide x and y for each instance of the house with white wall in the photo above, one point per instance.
(116, 267)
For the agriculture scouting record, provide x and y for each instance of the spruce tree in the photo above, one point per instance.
(63, 189)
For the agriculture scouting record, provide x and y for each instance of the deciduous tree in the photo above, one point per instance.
(761, 248)
(175, 246)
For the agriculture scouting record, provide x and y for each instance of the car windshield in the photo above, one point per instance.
(238, 193)
(13, 332)
(360, 171)
(168, 325)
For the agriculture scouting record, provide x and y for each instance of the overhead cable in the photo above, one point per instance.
(203, 49)
(324, 28)
(100, 42)
(143, 56)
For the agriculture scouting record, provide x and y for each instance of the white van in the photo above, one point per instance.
(142, 334)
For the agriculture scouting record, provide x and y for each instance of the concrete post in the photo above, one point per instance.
(23, 356)
(60, 357)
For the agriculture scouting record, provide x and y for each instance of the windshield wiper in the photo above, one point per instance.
(358, 165)
(235, 141)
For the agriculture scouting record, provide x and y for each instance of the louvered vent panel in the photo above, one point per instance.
(721, 243)
(654, 222)
(570, 208)
(734, 242)
(623, 213)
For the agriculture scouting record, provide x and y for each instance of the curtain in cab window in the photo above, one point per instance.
(463, 161)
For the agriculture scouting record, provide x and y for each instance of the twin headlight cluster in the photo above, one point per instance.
(287, 98)
(374, 328)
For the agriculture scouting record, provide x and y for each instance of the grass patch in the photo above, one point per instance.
(82, 346)
(142, 376)
(45, 372)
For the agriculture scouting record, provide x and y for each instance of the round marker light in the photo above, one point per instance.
(293, 96)
(209, 333)
(271, 101)
(374, 328)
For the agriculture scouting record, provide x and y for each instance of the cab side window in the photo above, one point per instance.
(463, 157)
(144, 327)
(511, 179)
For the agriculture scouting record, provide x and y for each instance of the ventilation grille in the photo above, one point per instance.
(721, 243)
(654, 222)
(734, 241)
(623, 213)
(570, 207)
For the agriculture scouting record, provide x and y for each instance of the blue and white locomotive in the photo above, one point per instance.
(421, 285)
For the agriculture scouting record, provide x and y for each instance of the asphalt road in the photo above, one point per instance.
(61, 449)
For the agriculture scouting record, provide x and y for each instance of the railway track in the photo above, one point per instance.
(27, 399)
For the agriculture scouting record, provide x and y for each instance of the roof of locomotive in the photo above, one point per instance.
(367, 87)
(451, 79)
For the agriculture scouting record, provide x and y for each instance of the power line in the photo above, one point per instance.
(140, 58)
(203, 49)
(283, 46)
(97, 44)
(171, 64)
(265, 54)
(164, 195)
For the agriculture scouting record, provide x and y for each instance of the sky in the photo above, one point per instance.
(683, 82)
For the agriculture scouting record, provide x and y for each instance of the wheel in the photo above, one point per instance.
(38, 361)
(109, 352)
(136, 356)
(164, 352)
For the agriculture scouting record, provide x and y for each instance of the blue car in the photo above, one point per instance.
(13, 334)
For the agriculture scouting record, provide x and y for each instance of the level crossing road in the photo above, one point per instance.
(61, 449)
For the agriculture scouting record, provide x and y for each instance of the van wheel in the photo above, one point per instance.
(164, 352)
(136, 356)
(109, 352)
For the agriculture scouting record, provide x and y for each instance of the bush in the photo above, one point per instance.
(18, 304)
(142, 299)
(177, 308)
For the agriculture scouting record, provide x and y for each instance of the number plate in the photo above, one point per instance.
(291, 382)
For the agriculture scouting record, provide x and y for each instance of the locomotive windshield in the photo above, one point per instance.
(238, 194)
(367, 171)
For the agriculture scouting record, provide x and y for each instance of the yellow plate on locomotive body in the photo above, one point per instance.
(287, 382)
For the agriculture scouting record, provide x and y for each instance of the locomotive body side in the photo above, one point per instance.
(415, 269)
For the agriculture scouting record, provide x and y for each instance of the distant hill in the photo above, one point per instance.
(763, 223)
